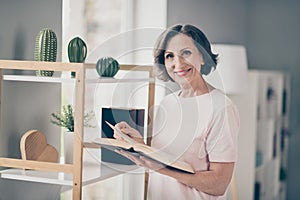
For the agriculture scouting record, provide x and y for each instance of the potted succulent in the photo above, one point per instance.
(65, 119)
(107, 66)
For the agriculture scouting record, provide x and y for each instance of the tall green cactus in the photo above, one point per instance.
(77, 51)
(45, 49)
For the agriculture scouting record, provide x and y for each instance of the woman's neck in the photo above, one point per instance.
(195, 88)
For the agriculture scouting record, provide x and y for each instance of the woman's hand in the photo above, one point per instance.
(137, 159)
(128, 130)
(142, 161)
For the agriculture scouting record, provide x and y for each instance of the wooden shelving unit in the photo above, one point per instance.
(70, 175)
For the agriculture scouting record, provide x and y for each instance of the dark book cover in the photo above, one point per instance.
(134, 117)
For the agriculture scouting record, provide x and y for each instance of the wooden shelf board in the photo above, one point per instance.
(28, 78)
(92, 172)
(53, 79)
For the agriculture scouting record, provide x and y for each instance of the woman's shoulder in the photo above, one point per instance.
(220, 100)
(216, 97)
(171, 97)
(220, 95)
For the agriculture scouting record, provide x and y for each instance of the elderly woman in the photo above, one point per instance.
(198, 124)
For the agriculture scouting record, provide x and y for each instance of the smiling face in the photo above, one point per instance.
(183, 60)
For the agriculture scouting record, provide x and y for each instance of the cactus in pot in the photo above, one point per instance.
(77, 51)
(107, 67)
(45, 49)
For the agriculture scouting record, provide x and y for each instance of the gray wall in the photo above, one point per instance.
(270, 31)
(22, 20)
(221, 21)
(27, 105)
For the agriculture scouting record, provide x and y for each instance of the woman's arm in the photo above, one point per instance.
(214, 181)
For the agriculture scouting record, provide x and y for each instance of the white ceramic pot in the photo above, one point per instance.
(68, 147)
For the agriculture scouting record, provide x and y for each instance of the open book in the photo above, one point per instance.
(132, 147)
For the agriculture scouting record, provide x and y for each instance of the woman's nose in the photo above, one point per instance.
(178, 61)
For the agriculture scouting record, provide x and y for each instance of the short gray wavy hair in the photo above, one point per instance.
(200, 41)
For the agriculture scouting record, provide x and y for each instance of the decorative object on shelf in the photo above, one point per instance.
(65, 119)
(107, 67)
(259, 156)
(34, 146)
(77, 51)
(45, 49)
(67, 148)
(135, 117)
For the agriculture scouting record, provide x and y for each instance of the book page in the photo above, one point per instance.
(113, 142)
(163, 157)
(147, 151)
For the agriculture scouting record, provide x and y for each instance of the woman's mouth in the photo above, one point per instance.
(182, 72)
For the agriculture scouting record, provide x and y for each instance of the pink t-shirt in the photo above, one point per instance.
(197, 130)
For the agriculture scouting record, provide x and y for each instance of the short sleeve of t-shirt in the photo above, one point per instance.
(221, 141)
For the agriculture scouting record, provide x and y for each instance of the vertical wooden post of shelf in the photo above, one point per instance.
(151, 98)
(78, 133)
(233, 188)
(1, 78)
(151, 95)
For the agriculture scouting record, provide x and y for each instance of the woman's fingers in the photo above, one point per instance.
(128, 130)
(151, 164)
(131, 157)
(122, 125)
(142, 161)
(116, 136)
(131, 132)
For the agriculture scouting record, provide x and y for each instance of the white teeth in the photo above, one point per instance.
(183, 72)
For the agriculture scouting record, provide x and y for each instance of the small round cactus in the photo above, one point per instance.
(45, 49)
(77, 51)
(107, 67)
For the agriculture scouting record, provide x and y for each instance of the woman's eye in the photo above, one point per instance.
(168, 56)
(186, 53)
